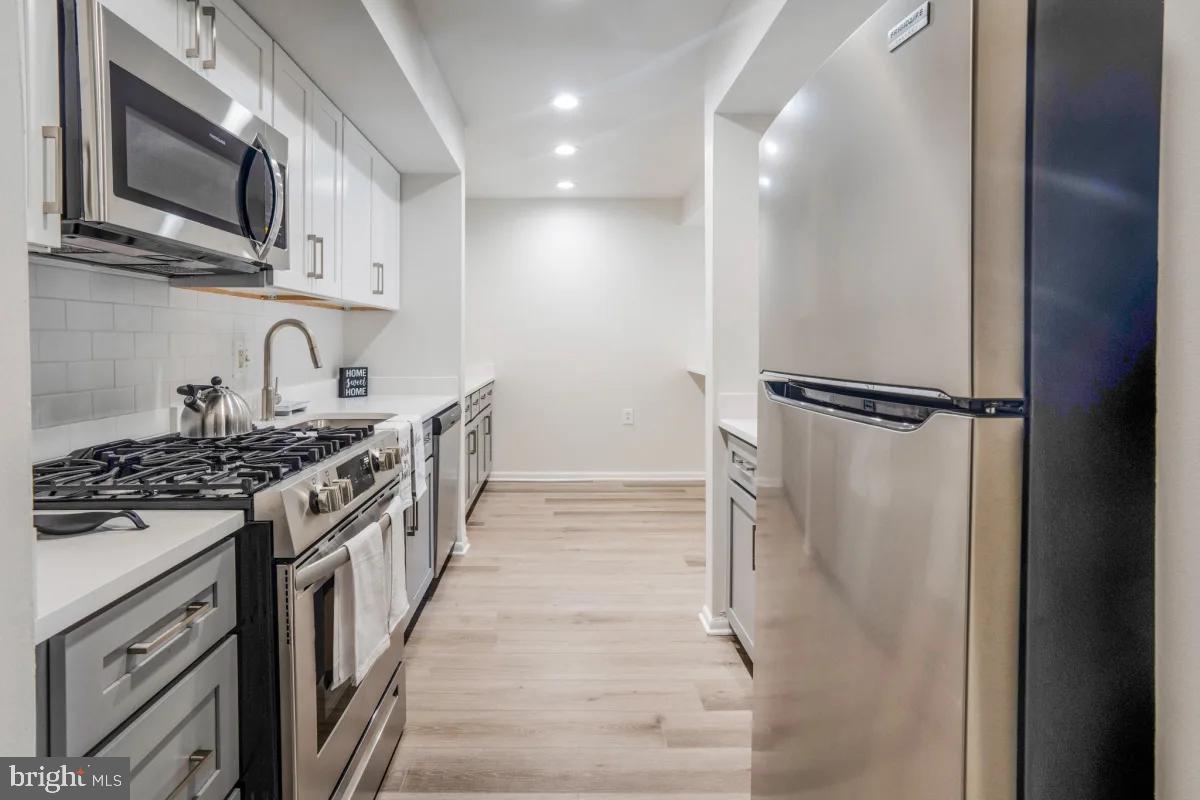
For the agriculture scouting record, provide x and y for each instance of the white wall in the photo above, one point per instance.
(1178, 578)
(586, 308)
(424, 339)
(16, 567)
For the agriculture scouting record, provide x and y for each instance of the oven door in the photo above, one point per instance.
(183, 170)
(322, 724)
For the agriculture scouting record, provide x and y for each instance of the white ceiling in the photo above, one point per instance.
(637, 66)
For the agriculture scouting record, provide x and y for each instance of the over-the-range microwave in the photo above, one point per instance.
(162, 171)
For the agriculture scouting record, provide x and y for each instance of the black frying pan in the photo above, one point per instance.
(84, 521)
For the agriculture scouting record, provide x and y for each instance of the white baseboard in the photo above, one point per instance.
(560, 477)
(714, 626)
(461, 548)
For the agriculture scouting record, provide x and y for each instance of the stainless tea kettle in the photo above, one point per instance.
(213, 411)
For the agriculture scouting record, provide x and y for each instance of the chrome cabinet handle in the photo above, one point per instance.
(378, 265)
(471, 438)
(754, 547)
(211, 61)
(54, 134)
(193, 611)
(312, 272)
(195, 762)
(193, 50)
(487, 426)
(317, 241)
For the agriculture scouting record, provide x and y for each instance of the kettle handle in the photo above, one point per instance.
(189, 392)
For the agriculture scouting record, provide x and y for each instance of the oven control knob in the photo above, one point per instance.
(395, 451)
(345, 490)
(384, 459)
(325, 500)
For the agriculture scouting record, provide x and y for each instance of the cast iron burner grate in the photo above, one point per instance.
(186, 472)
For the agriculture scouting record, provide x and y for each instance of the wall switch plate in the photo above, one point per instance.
(627, 416)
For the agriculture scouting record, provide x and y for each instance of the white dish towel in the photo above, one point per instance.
(398, 584)
(418, 455)
(361, 632)
(403, 430)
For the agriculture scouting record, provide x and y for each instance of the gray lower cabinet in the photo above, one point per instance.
(740, 519)
(185, 743)
(419, 546)
(742, 557)
(106, 668)
(478, 432)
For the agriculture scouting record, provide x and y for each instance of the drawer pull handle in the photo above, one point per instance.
(195, 762)
(193, 612)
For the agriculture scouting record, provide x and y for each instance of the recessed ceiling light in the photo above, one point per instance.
(566, 101)
(770, 148)
(764, 181)
(566, 186)
(565, 149)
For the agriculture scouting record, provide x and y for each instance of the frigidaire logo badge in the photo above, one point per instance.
(100, 778)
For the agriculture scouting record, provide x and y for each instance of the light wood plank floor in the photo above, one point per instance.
(562, 658)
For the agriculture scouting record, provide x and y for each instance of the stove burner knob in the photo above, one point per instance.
(345, 490)
(376, 464)
(325, 500)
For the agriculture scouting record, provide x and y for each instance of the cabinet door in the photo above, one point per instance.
(171, 24)
(356, 180)
(325, 142)
(473, 459)
(418, 550)
(385, 232)
(236, 55)
(742, 556)
(486, 470)
(43, 134)
(293, 101)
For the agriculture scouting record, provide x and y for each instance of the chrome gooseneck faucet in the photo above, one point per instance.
(268, 391)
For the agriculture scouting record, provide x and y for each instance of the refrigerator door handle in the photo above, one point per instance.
(773, 394)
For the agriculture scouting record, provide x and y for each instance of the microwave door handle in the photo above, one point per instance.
(277, 203)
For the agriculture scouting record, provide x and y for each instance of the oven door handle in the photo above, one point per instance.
(325, 566)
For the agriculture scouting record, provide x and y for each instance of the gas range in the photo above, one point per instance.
(303, 480)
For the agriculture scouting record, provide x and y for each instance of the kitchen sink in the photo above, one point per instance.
(324, 423)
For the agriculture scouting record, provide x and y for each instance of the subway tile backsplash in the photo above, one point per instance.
(107, 344)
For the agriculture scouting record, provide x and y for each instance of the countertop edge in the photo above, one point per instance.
(739, 429)
(66, 616)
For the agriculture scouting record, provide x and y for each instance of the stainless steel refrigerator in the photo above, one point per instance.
(957, 277)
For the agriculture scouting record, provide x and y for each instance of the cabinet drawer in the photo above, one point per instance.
(105, 669)
(185, 744)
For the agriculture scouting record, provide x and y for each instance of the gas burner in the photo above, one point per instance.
(172, 468)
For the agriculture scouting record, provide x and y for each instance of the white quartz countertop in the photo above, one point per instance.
(424, 406)
(479, 376)
(79, 575)
(744, 429)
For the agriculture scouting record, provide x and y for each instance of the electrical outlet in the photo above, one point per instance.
(627, 416)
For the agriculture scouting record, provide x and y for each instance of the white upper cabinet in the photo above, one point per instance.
(370, 224)
(385, 234)
(236, 55)
(171, 24)
(358, 274)
(292, 104)
(312, 125)
(43, 134)
(324, 169)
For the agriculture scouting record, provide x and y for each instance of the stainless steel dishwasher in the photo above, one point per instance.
(447, 443)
